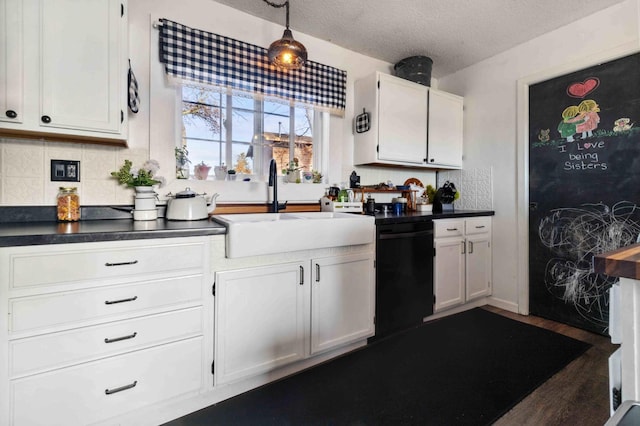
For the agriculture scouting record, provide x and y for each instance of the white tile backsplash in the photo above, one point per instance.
(475, 186)
(25, 171)
(25, 176)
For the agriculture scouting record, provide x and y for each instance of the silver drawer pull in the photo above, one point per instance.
(117, 339)
(480, 227)
(113, 302)
(133, 262)
(121, 388)
(452, 229)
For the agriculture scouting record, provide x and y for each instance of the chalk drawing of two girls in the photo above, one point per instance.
(582, 119)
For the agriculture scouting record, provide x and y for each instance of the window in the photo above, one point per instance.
(245, 133)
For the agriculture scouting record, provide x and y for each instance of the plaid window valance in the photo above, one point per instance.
(213, 59)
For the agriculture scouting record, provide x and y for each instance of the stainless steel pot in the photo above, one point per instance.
(188, 205)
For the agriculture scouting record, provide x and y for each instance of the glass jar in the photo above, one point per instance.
(68, 204)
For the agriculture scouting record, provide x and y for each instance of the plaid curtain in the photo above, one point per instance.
(212, 59)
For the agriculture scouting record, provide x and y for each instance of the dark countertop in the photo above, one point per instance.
(27, 234)
(33, 225)
(390, 218)
(623, 262)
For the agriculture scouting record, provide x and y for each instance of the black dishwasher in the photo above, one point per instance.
(404, 276)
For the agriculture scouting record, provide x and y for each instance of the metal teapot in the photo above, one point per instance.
(188, 205)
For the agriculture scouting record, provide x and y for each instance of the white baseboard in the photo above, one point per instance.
(506, 305)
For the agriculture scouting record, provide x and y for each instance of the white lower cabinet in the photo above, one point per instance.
(259, 319)
(91, 331)
(342, 301)
(92, 392)
(270, 316)
(449, 272)
(462, 265)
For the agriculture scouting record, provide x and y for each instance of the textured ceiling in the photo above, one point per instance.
(454, 33)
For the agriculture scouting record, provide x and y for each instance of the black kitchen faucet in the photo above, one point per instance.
(273, 181)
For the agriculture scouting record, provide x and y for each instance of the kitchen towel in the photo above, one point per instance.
(134, 97)
(362, 122)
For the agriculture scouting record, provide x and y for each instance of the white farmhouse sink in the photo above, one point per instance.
(268, 233)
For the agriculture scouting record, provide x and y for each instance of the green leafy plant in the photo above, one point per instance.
(430, 192)
(144, 176)
(316, 176)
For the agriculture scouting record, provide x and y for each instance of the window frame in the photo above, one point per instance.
(260, 170)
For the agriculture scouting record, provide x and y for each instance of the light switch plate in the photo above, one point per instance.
(65, 170)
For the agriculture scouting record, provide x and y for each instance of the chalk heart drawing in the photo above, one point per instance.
(580, 90)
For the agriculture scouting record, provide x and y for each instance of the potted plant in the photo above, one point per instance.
(182, 162)
(430, 193)
(144, 177)
(292, 172)
(201, 170)
(317, 176)
(232, 174)
(142, 181)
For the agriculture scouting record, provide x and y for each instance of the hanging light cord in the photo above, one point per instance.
(278, 6)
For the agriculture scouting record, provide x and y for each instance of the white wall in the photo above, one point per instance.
(491, 127)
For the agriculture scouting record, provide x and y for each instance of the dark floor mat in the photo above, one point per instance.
(465, 369)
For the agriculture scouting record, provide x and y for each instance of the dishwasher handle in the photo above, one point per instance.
(397, 235)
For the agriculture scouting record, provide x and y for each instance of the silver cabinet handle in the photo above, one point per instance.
(301, 275)
(464, 247)
(133, 262)
(121, 388)
(113, 302)
(117, 339)
(317, 273)
(452, 229)
(480, 227)
(470, 247)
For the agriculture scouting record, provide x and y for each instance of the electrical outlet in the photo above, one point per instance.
(65, 170)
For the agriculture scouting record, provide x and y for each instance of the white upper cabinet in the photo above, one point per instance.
(402, 120)
(411, 125)
(445, 129)
(11, 61)
(65, 73)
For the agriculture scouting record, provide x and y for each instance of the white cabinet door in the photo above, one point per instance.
(82, 67)
(342, 301)
(445, 129)
(63, 69)
(11, 61)
(402, 120)
(478, 266)
(449, 275)
(260, 320)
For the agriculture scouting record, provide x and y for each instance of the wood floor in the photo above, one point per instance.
(577, 395)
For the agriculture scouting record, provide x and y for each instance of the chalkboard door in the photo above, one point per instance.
(584, 187)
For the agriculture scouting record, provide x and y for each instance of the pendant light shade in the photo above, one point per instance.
(286, 53)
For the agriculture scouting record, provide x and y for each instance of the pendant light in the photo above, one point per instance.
(286, 53)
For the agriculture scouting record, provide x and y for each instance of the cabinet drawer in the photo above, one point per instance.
(477, 225)
(99, 390)
(448, 228)
(103, 303)
(55, 350)
(60, 265)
